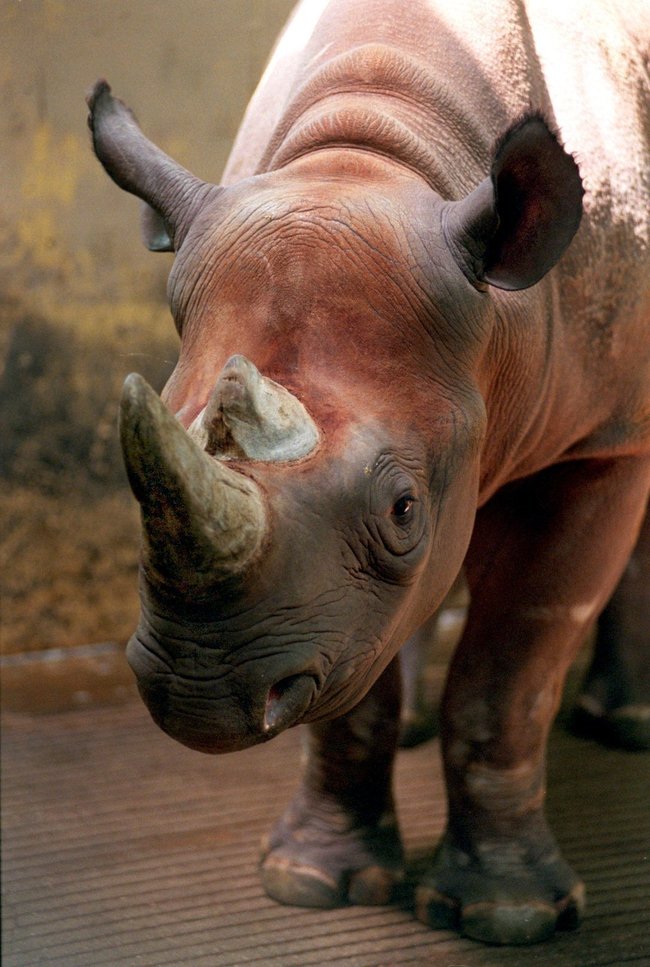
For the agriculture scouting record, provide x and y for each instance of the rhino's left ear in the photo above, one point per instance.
(515, 226)
(173, 196)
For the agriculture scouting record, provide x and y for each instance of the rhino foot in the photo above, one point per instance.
(526, 906)
(312, 863)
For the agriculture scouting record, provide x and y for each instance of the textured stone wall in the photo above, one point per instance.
(81, 301)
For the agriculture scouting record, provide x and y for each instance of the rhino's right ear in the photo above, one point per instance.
(173, 195)
(515, 226)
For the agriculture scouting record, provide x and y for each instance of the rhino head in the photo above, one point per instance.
(309, 480)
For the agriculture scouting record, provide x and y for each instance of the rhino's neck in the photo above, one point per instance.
(379, 99)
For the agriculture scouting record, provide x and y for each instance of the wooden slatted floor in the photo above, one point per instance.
(121, 848)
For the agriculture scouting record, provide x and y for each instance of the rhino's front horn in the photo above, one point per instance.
(249, 415)
(203, 522)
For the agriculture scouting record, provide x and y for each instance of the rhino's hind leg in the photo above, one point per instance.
(338, 841)
(419, 717)
(614, 705)
(537, 576)
(422, 659)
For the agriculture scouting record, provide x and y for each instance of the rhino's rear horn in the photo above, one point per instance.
(249, 415)
(138, 166)
(203, 522)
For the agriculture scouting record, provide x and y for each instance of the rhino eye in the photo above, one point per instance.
(403, 507)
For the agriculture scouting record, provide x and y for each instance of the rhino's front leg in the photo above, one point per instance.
(338, 840)
(543, 561)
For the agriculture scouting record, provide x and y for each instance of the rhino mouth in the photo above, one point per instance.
(286, 705)
(288, 701)
(219, 719)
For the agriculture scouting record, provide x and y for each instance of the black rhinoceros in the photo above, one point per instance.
(394, 361)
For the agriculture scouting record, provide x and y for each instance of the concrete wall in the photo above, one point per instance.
(81, 300)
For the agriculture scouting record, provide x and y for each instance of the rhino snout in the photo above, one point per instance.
(222, 713)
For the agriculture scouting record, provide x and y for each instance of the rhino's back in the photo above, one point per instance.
(410, 61)
(584, 63)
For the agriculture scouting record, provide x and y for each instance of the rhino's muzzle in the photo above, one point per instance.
(230, 729)
(226, 713)
(203, 522)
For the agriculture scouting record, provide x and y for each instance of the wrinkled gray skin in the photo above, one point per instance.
(385, 372)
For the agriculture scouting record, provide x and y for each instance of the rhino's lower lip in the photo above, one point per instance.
(205, 742)
(287, 702)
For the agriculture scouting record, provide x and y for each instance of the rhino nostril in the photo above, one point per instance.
(287, 701)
